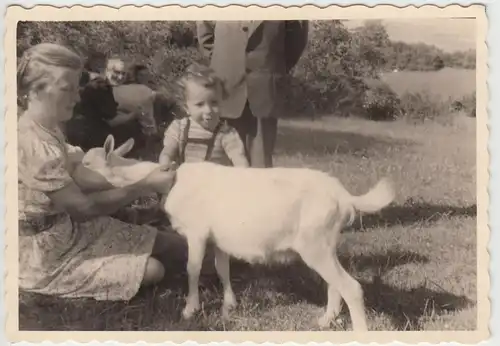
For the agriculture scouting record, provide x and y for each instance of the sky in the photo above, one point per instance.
(446, 33)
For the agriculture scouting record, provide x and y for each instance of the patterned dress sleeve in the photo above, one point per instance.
(171, 141)
(42, 165)
(234, 148)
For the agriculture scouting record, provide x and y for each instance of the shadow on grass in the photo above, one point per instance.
(159, 308)
(411, 213)
(405, 307)
(301, 282)
(307, 141)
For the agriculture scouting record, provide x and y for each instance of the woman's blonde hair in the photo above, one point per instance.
(34, 69)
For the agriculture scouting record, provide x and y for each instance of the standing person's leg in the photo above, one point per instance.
(258, 135)
(245, 126)
(261, 146)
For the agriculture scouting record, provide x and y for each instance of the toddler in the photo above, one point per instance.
(202, 135)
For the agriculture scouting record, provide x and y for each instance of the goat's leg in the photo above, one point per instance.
(332, 308)
(320, 258)
(222, 267)
(196, 252)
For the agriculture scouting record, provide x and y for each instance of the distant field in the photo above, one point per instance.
(447, 83)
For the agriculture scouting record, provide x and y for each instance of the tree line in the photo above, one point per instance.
(398, 55)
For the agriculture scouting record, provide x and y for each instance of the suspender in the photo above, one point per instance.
(185, 140)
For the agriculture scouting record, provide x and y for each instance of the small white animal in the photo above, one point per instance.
(260, 216)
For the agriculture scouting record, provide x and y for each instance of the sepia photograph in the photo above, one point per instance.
(249, 175)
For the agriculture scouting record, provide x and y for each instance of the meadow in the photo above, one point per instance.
(416, 260)
(445, 84)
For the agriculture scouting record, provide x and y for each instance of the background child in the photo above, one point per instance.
(202, 135)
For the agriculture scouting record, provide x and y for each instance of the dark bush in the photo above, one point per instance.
(421, 106)
(380, 102)
(468, 104)
(330, 75)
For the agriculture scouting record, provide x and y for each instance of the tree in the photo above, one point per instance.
(438, 63)
(370, 42)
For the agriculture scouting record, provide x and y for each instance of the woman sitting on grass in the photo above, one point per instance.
(68, 246)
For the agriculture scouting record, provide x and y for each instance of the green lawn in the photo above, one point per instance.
(416, 260)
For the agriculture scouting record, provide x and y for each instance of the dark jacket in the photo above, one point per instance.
(253, 58)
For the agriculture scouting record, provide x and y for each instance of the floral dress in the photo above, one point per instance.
(102, 258)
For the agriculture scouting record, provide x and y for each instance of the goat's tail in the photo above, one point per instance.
(379, 196)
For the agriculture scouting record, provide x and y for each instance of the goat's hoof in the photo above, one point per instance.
(225, 313)
(229, 303)
(227, 308)
(340, 322)
(188, 312)
(325, 321)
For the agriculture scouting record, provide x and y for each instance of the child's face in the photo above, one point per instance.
(202, 104)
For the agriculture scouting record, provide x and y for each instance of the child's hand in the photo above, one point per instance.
(169, 166)
(160, 180)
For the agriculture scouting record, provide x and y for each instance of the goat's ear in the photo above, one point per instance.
(125, 147)
(109, 145)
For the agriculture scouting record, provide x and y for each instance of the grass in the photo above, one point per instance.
(416, 260)
(448, 83)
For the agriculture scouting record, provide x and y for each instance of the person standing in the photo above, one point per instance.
(253, 58)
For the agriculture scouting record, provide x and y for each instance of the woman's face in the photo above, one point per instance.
(59, 97)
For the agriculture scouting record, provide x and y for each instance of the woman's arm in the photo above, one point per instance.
(44, 168)
(121, 118)
(83, 206)
(89, 180)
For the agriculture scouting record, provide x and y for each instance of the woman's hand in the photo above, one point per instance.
(162, 179)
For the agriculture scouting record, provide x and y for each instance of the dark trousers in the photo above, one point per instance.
(258, 136)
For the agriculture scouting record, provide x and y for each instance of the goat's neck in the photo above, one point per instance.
(129, 174)
(116, 160)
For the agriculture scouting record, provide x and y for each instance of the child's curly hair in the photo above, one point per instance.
(202, 75)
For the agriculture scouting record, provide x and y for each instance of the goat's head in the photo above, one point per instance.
(99, 158)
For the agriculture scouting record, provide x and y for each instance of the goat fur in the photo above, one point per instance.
(259, 215)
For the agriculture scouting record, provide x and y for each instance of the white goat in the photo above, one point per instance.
(259, 215)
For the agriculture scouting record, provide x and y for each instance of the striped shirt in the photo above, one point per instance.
(227, 146)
